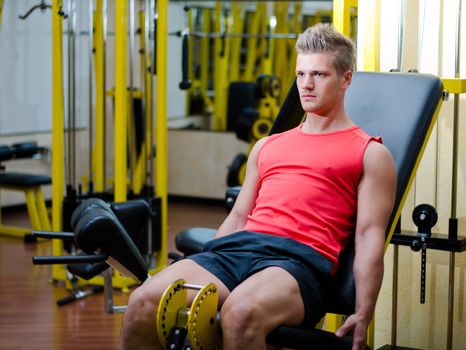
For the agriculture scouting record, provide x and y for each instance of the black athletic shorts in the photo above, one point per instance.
(235, 257)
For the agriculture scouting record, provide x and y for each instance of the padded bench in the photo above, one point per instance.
(30, 185)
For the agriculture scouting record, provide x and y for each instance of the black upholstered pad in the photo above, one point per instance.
(100, 230)
(191, 240)
(24, 180)
(400, 107)
(122, 219)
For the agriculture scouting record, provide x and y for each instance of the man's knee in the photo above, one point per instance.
(143, 302)
(241, 318)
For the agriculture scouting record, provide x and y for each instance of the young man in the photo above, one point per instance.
(305, 192)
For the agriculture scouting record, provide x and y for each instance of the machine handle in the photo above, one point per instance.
(68, 236)
(71, 259)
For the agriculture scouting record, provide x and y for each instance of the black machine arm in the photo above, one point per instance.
(71, 259)
(66, 236)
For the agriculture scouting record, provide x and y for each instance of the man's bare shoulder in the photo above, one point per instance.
(378, 157)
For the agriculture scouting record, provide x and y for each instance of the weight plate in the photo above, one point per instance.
(174, 300)
(261, 128)
(203, 332)
(235, 175)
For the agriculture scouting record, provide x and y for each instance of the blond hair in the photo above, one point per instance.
(323, 38)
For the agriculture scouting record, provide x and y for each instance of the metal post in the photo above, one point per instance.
(131, 124)
(1, 12)
(91, 105)
(454, 181)
(121, 108)
(58, 171)
(401, 29)
(394, 295)
(395, 246)
(100, 20)
(161, 124)
(147, 76)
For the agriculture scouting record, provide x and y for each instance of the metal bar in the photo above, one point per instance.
(1, 13)
(121, 108)
(91, 109)
(161, 124)
(192, 286)
(108, 290)
(151, 62)
(99, 65)
(58, 171)
(71, 259)
(42, 209)
(401, 28)
(454, 180)
(204, 60)
(235, 42)
(394, 295)
(342, 15)
(253, 28)
(53, 235)
(215, 35)
(72, 86)
(131, 121)
(147, 76)
(451, 289)
(32, 209)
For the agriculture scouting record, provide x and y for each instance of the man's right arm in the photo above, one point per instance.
(246, 199)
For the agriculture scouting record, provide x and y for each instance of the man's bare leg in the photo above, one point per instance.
(257, 306)
(139, 329)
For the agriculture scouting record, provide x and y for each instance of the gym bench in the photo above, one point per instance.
(402, 108)
(29, 184)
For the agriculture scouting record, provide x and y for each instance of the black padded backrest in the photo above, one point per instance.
(399, 107)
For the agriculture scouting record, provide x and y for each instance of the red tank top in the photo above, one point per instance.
(308, 186)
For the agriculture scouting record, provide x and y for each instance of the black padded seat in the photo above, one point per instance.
(6, 152)
(191, 240)
(24, 180)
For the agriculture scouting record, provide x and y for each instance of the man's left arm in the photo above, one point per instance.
(376, 196)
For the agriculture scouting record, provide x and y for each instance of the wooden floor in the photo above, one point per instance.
(29, 316)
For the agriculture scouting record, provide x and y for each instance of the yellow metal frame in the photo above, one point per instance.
(37, 210)
(221, 55)
(455, 86)
(253, 28)
(281, 70)
(294, 27)
(237, 28)
(1, 13)
(342, 15)
(99, 64)
(369, 27)
(58, 171)
(161, 183)
(121, 101)
(204, 68)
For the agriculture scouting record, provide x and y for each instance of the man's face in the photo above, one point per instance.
(320, 87)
